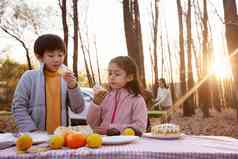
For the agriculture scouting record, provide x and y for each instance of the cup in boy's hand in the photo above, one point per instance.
(62, 70)
(68, 76)
(99, 94)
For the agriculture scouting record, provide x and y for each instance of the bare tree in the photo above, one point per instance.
(189, 103)
(231, 22)
(87, 47)
(97, 60)
(89, 77)
(204, 92)
(133, 34)
(63, 7)
(170, 67)
(181, 53)
(155, 19)
(76, 26)
(23, 45)
(22, 18)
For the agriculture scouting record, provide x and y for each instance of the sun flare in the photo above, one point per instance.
(222, 69)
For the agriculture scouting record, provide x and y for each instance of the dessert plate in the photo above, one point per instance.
(163, 137)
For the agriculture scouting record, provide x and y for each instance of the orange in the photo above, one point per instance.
(24, 142)
(66, 134)
(65, 137)
(75, 140)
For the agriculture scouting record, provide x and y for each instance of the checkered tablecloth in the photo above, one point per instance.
(188, 147)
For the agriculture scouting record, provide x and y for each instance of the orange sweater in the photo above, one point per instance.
(53, 100)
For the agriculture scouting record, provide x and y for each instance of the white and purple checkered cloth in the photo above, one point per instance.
(188, 147)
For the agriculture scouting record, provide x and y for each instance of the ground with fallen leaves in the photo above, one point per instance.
(220, 123)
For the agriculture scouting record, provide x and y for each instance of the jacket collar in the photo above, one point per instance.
(122, 92)
(42, 65)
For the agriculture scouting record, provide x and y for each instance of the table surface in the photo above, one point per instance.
(187, 147)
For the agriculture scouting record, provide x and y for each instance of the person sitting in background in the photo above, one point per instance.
(163, 99)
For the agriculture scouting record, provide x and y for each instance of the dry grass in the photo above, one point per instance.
(7, 122)
(220, 123)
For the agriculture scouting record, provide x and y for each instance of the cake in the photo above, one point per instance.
(165, 130)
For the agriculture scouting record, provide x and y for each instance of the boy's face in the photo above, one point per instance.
(117, 77)
(52, 59)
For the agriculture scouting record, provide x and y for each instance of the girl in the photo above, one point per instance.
(164, 99)
(122, 106)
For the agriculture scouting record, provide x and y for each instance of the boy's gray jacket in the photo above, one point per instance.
(29, 105)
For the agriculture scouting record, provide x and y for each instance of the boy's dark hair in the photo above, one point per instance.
(130, 67)
(48, 42)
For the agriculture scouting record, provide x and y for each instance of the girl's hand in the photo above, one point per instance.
(101, 130)
(99, 97)
(70, 79)
(113, 132)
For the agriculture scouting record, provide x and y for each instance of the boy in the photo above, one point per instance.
(42, 96)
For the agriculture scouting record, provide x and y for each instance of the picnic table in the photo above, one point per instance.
(186, 147)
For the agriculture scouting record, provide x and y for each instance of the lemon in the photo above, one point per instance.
(128, 132)
(56, 142)
(23, 142)
(94, 140)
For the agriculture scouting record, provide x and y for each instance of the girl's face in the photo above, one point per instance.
(161, 84)
(52, 60)
(117, 77)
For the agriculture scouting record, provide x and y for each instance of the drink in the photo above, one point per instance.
(62, 70)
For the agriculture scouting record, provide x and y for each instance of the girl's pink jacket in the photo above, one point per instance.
(131, 111)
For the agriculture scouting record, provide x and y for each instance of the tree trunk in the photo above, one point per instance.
(76, 26)
(63, 7)
(90, 81)
(27, 56)
(98, 67)
(133, 35)
(162, 55)
(216, 98)
(231, 22)
(181, 54)
(189, 103)
(170, 67)
(155, 29)
(204, 93)
(91, 67)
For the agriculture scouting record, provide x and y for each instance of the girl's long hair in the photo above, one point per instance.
(164, 82)
(130, 67)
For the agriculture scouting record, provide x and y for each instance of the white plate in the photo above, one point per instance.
(39, 137)
(170, 137)
(114, 140)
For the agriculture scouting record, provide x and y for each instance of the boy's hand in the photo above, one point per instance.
(70, 79)
(99, 97)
